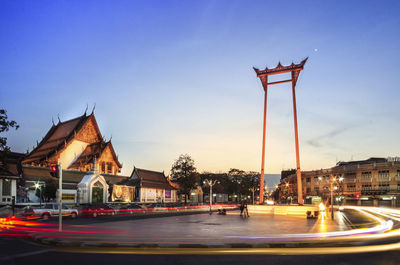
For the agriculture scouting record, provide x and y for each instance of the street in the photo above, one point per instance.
(20, 251)
(199, 239)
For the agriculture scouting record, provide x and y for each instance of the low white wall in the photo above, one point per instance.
(294, 210)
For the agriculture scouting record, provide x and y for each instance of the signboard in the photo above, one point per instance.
(68, 197)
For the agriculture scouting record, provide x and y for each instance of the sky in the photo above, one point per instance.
(176, 77)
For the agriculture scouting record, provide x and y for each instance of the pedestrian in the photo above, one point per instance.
(241, 207)
(245, 208)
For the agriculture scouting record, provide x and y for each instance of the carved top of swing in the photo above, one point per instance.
(280, 69)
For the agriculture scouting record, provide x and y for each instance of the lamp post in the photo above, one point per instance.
(60, 199)
(332, 181)
(288, 193)
(341, 190)
(253, 189)
(38, 186)
(210, 183)
(332, 215)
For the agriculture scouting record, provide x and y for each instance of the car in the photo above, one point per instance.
(159, 207)
(95, 210)
(51, 209)
(131, 209)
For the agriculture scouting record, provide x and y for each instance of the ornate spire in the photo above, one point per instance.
(94, 107)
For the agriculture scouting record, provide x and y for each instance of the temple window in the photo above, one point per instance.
(103, 167)
(109, 168)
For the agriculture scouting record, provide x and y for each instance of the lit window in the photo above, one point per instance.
(6, 187)
(366, 175)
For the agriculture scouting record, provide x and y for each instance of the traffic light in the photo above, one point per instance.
(55, 173)
(357, 197)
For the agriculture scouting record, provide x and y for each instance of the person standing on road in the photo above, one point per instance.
(245, 208)
(241, 207)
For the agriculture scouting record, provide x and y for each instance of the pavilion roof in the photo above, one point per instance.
(149, 179)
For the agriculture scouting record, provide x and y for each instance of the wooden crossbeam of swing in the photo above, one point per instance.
(279, 82)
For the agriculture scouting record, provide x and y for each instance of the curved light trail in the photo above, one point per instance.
(387, 228)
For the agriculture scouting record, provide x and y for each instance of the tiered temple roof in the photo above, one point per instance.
(60, 136)
(55, 140)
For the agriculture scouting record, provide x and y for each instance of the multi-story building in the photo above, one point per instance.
(375, 181)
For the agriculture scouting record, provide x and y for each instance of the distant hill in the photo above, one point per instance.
(271, 180)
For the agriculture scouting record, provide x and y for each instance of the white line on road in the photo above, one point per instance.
(26, 254)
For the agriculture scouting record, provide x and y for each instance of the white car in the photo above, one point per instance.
(50, 210)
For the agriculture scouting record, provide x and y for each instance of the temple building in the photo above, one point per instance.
(10, 175)
(151, 186)
(76, 144)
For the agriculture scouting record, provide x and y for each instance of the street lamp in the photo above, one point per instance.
(253, 189)
(332, 181)
(38, 186)
(210, 183)
(288, 193)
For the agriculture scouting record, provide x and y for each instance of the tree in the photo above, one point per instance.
(5, 125)
(185, 174)
(49, 189)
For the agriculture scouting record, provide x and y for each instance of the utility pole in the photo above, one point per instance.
(60, 199)
(332, 180)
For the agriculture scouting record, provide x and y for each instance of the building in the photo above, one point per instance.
(93, 188)
(8, 186)
(75, 144)
(10, 177)
(151, 186)
(375, 182)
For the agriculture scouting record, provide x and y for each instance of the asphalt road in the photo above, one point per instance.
(14, 250)
(20, 251)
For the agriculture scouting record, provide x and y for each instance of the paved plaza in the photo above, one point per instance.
(198, 229)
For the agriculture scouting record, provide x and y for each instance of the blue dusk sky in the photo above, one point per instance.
(173, 77)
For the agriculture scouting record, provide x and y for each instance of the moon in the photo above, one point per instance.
(315, 49)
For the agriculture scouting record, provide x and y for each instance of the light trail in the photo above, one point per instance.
(383, 217)
(236, 251)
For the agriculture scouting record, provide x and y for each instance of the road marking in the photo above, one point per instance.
(26, 254)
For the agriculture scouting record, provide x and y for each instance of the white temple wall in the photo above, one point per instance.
(71, 153)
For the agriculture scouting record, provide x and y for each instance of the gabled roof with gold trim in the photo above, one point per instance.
(55, 140)
(61, 135)
(93, 151)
